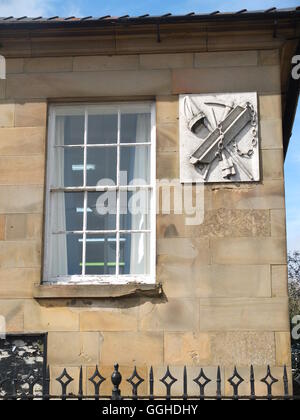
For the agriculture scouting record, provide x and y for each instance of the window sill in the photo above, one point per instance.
(92, 291)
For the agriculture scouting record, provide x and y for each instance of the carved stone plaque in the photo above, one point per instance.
(219, 139)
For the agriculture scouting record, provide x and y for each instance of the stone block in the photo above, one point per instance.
(173, 315)
(167, 137)
(244, 314)
(226, 59)
(31, 114)
(268, 57)
(217, 223)
(18, 283)
(243, 349)
(13, 312)
(167, 165)
(109, 319)
(20, 254)
(89, 84)
(234, 281)
(271, 134)
(272, 164)
(22, 141)
(269, 195)
(48, 64)
(43, 318)
(21, 199)
(166, 61)
(186, 250)
(167, 109)
(19, 170)
(7, 114)
(188, 348)
(182, 280)
(238, 79)
(106, 62)
(279, 281)
(131, 348)
(278, 223)
(14, 65)
(2, 228)
(270, 107)
(283, 348)
(248, 251)
(73, 348)
(24, 226)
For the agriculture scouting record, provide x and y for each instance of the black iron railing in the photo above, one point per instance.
(37, 387)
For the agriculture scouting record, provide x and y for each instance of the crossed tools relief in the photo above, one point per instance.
(219, 139)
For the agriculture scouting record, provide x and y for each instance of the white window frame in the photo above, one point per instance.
(101, 279)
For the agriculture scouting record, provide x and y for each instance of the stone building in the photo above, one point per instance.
(84, 100)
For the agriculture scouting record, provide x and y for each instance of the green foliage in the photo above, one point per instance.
(294, 283)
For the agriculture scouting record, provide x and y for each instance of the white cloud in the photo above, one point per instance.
(20, 8)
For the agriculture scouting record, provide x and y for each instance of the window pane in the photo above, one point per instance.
(135, 165)
(67, 211)
(135, 254)
(100, 254)
(65, 255)
(135, 128)
(135, 210)
(102, 164)
(98, 204)
(102, 129)
(67, 167)
(69, 130)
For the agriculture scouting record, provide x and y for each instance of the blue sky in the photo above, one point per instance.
(139, 7)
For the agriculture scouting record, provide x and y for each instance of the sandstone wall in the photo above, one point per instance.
(225, 281)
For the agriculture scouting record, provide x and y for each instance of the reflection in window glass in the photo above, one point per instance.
(70, 246)
(135, 163)
(135, 128)
(100, 254)
(102, 129)
(69, 210)
(68, 167)
(99, 203)
(135, 210)
(69, 130)
(134, 254)
(101, 164)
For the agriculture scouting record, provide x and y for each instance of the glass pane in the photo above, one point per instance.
(135, 254)
(101, 164)
(69, 130)
(101, 211)
(135, 210)
(101, 254)
(135, 165)
(66, 211)
(103, 129)
(65, 255)
(135, 128)
(68, 167)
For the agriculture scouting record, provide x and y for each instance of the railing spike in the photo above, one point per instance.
(219, 383)
(252, 382)
(185, 389)
(285, 383)
(151, 382)
(80, 391)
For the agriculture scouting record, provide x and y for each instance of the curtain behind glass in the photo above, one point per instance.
(139, 260)
(58, 255)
